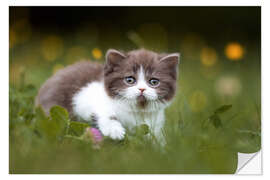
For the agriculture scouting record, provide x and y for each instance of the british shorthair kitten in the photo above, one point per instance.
(131, 89)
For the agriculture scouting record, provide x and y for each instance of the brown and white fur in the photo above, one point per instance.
(88, 89)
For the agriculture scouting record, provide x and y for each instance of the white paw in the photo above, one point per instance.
(113, 129)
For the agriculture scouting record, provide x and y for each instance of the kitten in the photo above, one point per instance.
(130, 89)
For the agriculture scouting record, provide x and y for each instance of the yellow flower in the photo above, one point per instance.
(76, 53)
(234, 51)
(97, 53)
(21, 29)
(208, 56)
(52, 47)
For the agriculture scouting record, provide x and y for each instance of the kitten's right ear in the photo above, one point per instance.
(114, 57)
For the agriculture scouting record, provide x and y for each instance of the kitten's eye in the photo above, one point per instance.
(130, 80)
(154, 82)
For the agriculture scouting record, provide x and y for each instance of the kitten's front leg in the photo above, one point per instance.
(111, 127)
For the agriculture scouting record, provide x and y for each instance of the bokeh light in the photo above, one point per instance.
(234, 51)
(191, 46)
(97, 54)
(20, 32)
(76, 53)
(228, 86)
(208, 56)
(197, 101)
(52, 47)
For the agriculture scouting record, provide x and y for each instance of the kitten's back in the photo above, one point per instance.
(61, 87)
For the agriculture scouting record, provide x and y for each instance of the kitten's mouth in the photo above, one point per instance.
(141, 100)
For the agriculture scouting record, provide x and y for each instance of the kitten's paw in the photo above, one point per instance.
(113, 129)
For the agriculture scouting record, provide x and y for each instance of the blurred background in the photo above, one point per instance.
(220, 51)
(219, 46)
(211, 38)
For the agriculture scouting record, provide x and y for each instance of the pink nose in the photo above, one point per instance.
(141, 89)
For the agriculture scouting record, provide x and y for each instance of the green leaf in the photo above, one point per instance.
(223, 109)
(69, 139)
(59, 114)
(54, 126)
(248, 141)
(142, 129)
(215, 120)
(59, 120)
(76, 128)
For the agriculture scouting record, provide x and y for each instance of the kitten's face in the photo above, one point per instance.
(141, 77)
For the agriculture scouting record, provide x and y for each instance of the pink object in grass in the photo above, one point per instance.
(96, 135)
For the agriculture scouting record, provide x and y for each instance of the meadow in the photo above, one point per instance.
(215, 114)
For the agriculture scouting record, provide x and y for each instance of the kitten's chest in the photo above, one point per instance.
(132, 119)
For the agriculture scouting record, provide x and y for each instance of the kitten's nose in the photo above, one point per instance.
(142, 89)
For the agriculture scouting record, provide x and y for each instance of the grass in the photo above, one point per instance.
(197, 142)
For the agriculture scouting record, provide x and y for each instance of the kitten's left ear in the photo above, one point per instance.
(171, 60)
(114, 57)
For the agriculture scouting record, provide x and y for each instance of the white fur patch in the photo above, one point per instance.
(93, 100)
(112, 128)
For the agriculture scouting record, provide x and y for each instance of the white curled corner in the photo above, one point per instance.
(249, 163)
